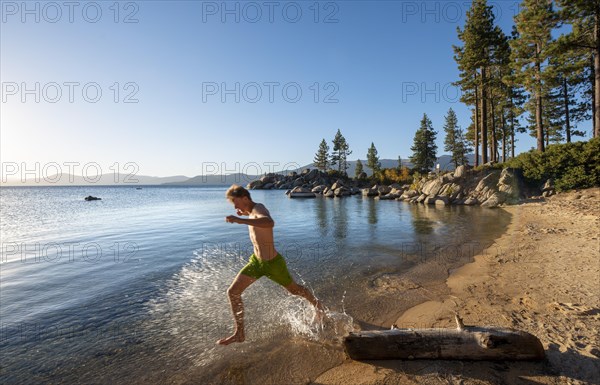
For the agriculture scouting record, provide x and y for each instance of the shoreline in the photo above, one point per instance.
(542, 275)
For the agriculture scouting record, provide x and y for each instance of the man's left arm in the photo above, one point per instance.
(262, 218)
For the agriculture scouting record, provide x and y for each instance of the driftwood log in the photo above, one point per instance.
(462, 343)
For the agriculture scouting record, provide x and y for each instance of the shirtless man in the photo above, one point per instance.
(264, 261)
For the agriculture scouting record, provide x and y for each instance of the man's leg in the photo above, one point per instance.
(240, 283)
(296, 289)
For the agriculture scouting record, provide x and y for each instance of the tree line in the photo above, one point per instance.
(526, 82)
(423, 157)
(554, 82)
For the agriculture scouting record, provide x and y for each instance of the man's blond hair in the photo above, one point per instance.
(236, 191)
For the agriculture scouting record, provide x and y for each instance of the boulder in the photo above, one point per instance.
(421, 198)
(267, 179)
(383, 190)
(312, 174)
(341, 191)
(441, 201)
(370, 192)
(429, 200)
(268, 186)
(460, 171)
(409, 194)
(254, 185)
(329, 194)
(432, 187)
(337, 185)
(494, 201)
(319, 189)
(470, 201)
(508, 185)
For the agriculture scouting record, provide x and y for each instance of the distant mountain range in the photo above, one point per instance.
(101, 180)
(445, 162)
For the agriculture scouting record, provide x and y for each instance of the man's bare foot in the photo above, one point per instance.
(237, 337)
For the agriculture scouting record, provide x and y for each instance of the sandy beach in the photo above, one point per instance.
(541, 276)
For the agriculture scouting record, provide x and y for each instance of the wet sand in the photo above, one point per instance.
(542, 276)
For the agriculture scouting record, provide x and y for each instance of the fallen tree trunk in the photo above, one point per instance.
(463, 343)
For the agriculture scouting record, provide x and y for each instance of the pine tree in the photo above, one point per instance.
(530, 52)
(455, 142)
(584, 17)
(321, 160)
(340, 152)
(359, 169)
(372, 159)
(474, 60)
(424, 148)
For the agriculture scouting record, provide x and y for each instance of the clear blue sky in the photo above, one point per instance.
(377, 66)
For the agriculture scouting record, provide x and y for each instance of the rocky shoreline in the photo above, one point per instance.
(487, 187)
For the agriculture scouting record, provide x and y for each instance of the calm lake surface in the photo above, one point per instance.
(131, 288)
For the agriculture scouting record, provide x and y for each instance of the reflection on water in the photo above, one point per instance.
(155, 318)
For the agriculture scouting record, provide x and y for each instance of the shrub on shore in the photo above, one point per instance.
(571, 165)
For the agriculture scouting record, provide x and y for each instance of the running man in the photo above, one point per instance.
(264, 261)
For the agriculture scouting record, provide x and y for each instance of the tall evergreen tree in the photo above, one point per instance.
(454, 141)
(584, 16)
(583, 42)
(373, 159)
(530, 51)
(424, 148)
(474, 61)
(359, 169)
(340, 152)
(321, 160)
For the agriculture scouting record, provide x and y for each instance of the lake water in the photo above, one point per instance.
(132, 288)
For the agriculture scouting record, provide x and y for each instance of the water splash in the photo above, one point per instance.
(193, 312)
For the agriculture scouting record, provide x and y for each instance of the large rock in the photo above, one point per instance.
(460, 171)
(432, 187)
(383, 190)
(268, 179)
(409, 194)
(442, 201)
(254, 185)
(319, 189)
(312, 174)
(268, 186)
(337, 185)
(509, 186)
(470, 201)
(370, 192)
(494, 201)
(341, 191)
(298, 182)
(488, 186)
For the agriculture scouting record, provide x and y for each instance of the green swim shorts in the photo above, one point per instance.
(275, 269)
